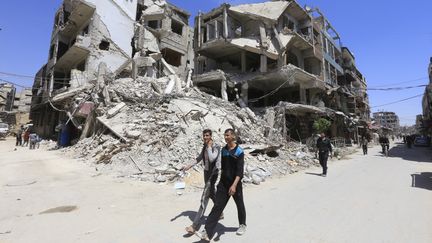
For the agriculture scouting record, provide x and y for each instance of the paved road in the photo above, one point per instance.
(45, 197)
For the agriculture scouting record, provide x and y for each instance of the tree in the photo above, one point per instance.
(321, 125)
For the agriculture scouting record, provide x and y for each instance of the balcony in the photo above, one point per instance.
(76, 53)
(80, 14)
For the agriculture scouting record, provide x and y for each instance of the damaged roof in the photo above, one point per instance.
(268, 10)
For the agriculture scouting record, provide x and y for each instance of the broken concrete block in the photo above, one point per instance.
(133, 134)
(115, 110)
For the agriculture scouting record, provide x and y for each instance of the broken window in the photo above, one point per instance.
(177, 27)
(154, 24)
(172, 57)
(104, 45)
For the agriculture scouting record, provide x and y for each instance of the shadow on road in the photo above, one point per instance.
(417, 154)
(219, 231)
(315, 174)
(422, 180)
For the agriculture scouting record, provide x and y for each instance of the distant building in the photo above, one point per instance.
(427, 103)
(386, 119)
(7, 96)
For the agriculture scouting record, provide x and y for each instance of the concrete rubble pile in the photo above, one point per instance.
(151, 136)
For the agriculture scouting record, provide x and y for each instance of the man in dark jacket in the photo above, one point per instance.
(229, 185)
(324, 150)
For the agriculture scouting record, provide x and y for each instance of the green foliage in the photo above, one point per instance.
(321, 125)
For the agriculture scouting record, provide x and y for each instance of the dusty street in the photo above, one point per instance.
(48, 198)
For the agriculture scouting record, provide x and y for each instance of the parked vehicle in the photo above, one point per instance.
(4, 130)
(421, 141)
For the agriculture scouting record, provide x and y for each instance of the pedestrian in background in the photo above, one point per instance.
(18, 136)
(324, 150)
(364, 144)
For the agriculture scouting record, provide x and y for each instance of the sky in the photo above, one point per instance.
(391, 41)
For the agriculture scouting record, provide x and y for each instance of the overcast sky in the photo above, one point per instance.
(391, 40)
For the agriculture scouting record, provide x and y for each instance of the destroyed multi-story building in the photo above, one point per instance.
(427, 103)
(386, 119)
(92, 39)
(278, 54)
(7, 96)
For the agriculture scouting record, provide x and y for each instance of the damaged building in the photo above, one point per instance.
(93, 42)
(279, 58)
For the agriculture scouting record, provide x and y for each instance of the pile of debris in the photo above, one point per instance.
(148, 135)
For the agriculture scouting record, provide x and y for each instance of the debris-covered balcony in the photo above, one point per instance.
(72, 16)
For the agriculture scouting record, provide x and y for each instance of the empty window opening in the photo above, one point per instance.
(287, 23)
(220, 29)
(172, 57)
(62, 49)
(211, 32)
(104, 45)
(271, 64)
(292, 59)
(154, 24)
(238, 32)
(177, 27)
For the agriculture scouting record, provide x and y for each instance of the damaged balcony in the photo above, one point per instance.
(68, 57)
(73, 16)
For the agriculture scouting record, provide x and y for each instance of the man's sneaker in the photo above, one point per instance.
(241, 230)
(190, 229)
(203, 235)
(221, 216)
(324, 175)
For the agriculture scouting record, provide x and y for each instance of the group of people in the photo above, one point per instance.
(27, 137)
(223, 172)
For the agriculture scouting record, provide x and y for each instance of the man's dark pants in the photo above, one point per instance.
(323, 157)
(222, 198)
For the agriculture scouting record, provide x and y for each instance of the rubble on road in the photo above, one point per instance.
(149, 136)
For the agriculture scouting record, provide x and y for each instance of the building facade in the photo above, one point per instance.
(277, 53)
(386, 119)
(93, 39)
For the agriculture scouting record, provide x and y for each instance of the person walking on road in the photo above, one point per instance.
(324, 150)
(364, 144)
(210, 155)
(230, 185)
(18, 135)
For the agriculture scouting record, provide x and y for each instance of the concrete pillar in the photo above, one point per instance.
(216, 29)
(263, 66)
(225, 22)
(51, 84)
(282, 59)
(243, 61)
(245, 93)
(199, 41)
(224, 92)
(303, 95)
(263, 35)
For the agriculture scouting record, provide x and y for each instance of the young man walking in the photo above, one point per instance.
(229, 185)
(324, 150)
(210, 155)
(364, 144)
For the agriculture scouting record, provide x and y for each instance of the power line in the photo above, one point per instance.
(397, 88)
(409, 81)
(398, 101)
